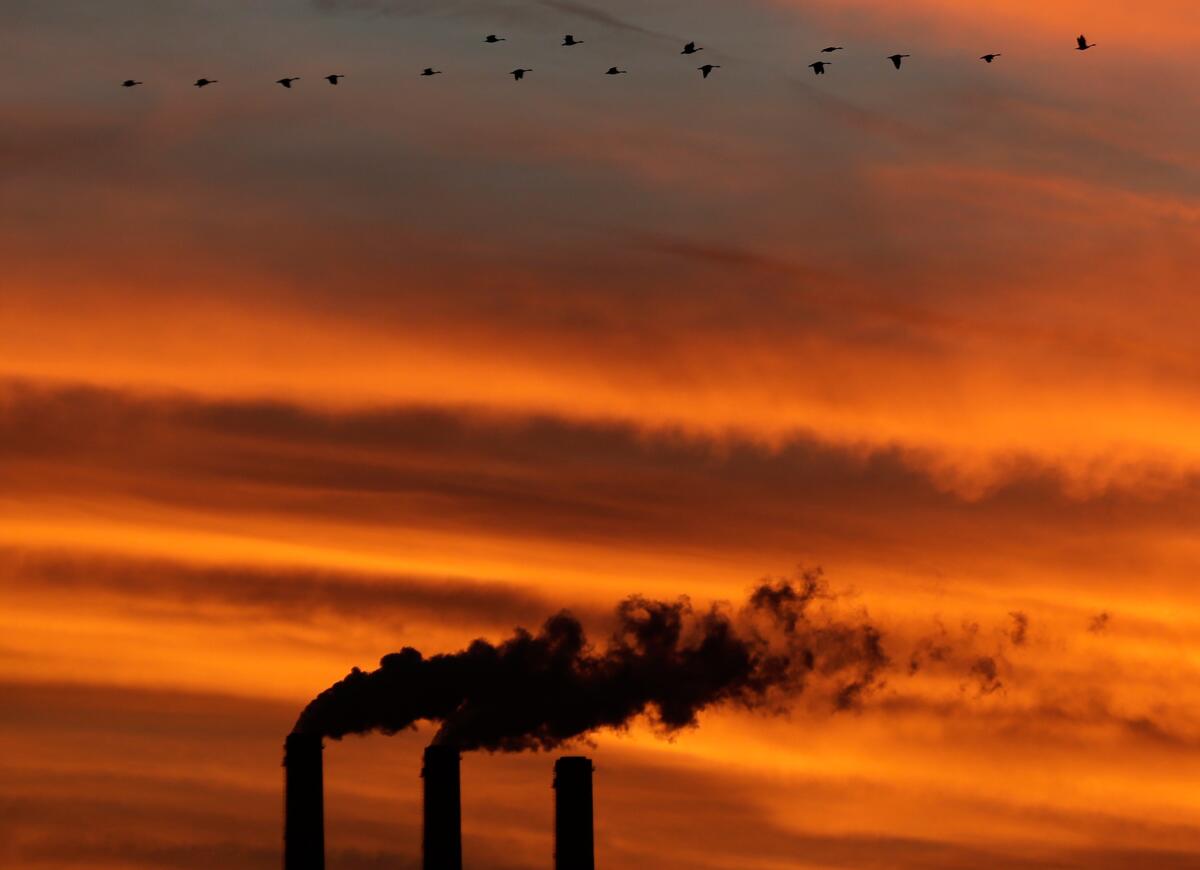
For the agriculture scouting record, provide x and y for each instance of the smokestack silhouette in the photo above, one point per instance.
(665, 659)
(303, 803)
(441, 838)
(574, 846)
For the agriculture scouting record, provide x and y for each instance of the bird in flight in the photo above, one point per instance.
(690, 48)
(491, 37)
(897, 59)
(204, 83)
(287, 82)
(831, 48)
(988, 58)
(571, 40)
(1081, 43)
(333, 79)
(613, 71)
(519, 73)
(430, 71)
(130, 83)
(818, 67)
(707, 68)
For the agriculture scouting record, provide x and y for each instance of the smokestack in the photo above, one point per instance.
(303, 803)
(441, 841)
(574, 847)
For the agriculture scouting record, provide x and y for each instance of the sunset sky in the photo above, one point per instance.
(292, 379)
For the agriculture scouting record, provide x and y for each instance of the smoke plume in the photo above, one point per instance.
(665, 660)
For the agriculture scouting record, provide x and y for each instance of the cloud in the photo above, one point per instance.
(572, 8)
(297, 595)
(285, 468)
(602, 16)
(389, 7)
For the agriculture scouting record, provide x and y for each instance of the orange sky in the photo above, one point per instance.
(289, 380)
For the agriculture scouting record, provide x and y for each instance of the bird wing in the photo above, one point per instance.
(1082, 40)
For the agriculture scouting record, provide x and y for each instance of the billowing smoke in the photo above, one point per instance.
(667, 661)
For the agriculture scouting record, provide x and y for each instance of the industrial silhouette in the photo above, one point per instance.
(664, 662)
(441, 831)
(303, 803)
(441, 826)
(574, 837)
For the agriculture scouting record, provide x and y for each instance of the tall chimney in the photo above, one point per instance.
(441, 842)
(574, 846)
(303, 803)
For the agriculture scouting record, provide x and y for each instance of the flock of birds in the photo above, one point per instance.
(818, 67)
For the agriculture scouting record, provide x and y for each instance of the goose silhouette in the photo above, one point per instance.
(708, 68)
(897, 59)
(333, 79)
(1081, 43)
(287, 82)
(690, 48)
(519, 73)
(988, 58)
(130, 83)
(613, 71)
(818, 67)
(204, 83)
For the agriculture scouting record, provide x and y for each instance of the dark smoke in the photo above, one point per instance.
(1020, 628)
(987, 672)
(665, 660)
